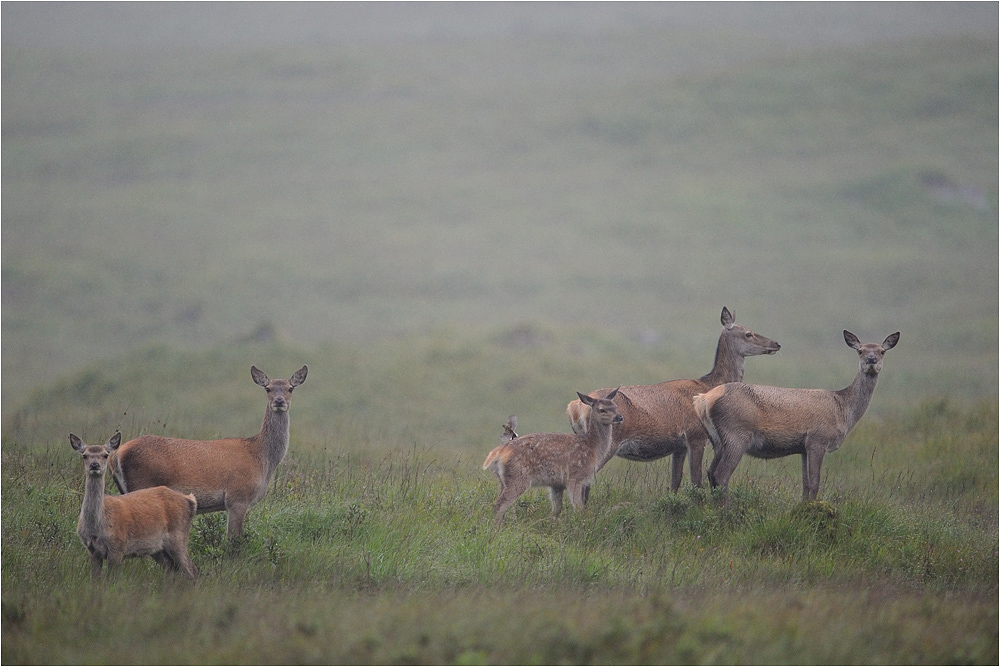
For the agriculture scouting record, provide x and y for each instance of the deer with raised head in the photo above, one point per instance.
(771, 422)
(560, 461)
(153, 522)
(229, 475)
(659, 419)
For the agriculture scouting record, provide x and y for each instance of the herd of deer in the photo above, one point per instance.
(164, 482)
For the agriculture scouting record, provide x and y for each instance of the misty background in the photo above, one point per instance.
(198, 175)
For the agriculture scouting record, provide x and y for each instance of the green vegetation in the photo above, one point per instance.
(455, 226)
(375, 543)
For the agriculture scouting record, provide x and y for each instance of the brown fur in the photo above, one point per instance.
(559, 461)
(659, 419)
(228, 475)
(153, 522)
(771, 422)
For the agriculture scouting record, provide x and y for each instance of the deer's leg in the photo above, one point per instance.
(716, 458)
(180, 559)
(164, 560)
(812, 461)
(556, 497)
(96, 565)
(696, 450)
(175, 556)
(188, 567)
(235, 513)
(578, 496)
(677, 469)
(509, 492)
(725, 462)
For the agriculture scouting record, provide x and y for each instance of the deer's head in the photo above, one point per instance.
(279, 392)
(744, 341)
(870, 354)
(95, 457)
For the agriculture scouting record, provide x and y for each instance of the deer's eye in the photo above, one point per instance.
(749, 334)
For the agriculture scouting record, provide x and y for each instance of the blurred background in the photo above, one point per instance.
(197, 177)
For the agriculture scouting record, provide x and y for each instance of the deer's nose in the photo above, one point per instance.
(618, 419)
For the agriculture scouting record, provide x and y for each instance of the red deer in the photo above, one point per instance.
(559, 461)
(153, 522)
(659, 419)
(228, 475)
(771, 422)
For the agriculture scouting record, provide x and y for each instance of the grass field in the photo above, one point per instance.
(454, 213)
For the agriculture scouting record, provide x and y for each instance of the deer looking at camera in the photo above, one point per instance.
(771, 422)
(153, 522)
(228, 475)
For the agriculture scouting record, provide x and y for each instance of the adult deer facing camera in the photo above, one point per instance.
(228, 475)
(771, 422)
(152, 522)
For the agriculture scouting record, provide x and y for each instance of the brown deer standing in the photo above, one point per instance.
(228, 475)
(153, 522)
(559, 461)
(771, 422)
(659, 418)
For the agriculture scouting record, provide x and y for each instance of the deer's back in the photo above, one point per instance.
(139, 523)
(191, 466)
(549, 458)
(778, 413)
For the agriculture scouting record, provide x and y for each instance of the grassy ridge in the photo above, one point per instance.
(376, 545)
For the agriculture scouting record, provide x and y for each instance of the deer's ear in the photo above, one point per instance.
(586, 399)
(76, 443)
(258, 376)
(851, 340)
(114, 442)
(299, 377)
(727, 318)
(612, 394)
(890, 341)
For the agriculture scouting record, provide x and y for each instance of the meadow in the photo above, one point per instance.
(454, 216)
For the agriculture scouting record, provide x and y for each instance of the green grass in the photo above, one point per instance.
(375, 543)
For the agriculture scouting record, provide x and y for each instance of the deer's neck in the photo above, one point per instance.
(857, 396)
(273, 437)
(601, 442)
(728, 365)
(92, 513)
